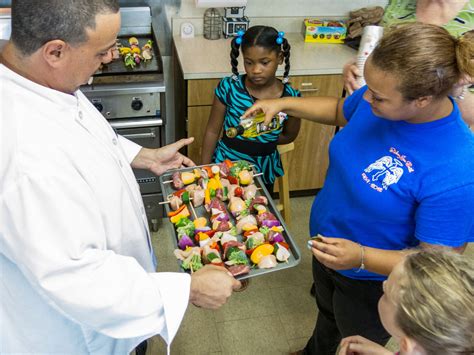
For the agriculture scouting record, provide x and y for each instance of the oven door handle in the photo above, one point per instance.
(139, 135)
(149, 122)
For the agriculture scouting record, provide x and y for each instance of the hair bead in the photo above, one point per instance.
(279, 39)
(240, 34)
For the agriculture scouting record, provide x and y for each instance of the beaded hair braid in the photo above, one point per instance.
(263, 36)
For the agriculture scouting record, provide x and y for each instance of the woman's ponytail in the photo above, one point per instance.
(465, 54)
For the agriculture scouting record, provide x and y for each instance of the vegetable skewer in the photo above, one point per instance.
(170, 181)
(169, 201)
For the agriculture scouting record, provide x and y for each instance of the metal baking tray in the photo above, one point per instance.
(295, 254)
(117, 66)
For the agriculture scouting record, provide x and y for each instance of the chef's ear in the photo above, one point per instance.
(54, 52)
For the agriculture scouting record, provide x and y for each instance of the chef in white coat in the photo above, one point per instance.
(76, 263)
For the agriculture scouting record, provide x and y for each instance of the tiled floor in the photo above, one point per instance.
(274, 315)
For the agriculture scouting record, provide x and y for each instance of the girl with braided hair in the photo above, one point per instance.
(263, 50)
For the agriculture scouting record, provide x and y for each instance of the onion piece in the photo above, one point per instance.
(184, 242)
(271, 223)
(282, 254)
(267, 262)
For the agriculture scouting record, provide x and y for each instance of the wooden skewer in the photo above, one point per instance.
(193, 210)
(168, 201)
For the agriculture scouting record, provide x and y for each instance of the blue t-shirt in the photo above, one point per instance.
(392, 184)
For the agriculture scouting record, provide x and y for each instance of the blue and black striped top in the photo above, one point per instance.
(235, 96)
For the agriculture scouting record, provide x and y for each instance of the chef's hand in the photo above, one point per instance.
(337, 253)
(162, 159)
(357, 345)
(269, 107)
(350, 72)
(211, 286)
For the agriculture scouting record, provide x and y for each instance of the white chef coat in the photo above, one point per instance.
(76, 263)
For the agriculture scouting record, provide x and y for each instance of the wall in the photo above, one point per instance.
(288, 8)
(285, 15)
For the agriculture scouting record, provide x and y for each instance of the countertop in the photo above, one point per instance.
(207, 59)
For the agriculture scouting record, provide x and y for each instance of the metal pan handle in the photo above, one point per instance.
(138, 123)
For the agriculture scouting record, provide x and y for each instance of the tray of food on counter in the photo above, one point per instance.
(222, 214)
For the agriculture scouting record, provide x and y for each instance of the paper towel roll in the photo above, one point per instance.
(370, 38)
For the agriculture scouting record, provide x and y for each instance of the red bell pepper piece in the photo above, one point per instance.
(179, 192)
(209, 233)
(238, 192)
(233, 180)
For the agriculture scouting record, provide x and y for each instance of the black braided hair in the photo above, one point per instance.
(234, 54)
(263, 36)
(286, 54)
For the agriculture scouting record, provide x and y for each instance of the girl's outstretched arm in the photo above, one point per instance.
(325, 110)
(213, 130)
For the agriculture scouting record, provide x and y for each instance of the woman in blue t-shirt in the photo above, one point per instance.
(400, 175)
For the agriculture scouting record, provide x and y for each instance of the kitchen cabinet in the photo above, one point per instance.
(308, 162)
(199, 102)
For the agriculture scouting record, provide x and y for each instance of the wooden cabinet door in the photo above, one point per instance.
(201, 92)
(196, 126)
(309, 159)
(200, 95)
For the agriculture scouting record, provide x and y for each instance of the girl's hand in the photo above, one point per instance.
(350, 73)
(337, 253)
(357, 345)
(269, 107)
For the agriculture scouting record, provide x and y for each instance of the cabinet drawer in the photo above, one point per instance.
(318, 85)
(201, 92)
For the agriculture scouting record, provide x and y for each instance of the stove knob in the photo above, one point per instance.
(99, 106)
(137, 104)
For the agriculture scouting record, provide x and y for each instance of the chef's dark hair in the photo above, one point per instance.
(34, 23)
(263, 36)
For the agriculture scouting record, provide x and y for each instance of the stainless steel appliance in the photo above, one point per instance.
(133, 101)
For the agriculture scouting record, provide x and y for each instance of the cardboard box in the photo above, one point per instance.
(324, 31)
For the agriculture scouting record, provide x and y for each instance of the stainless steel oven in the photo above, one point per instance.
(133, 101)
(146, 132)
